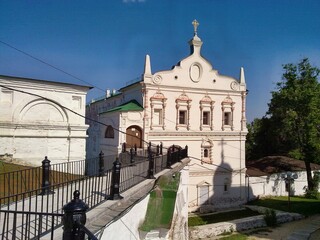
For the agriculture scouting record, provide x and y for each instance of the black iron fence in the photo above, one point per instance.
(22, 181)
(37, 211)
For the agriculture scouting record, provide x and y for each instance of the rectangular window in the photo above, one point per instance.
(182, 117)
(227, 118)
(158, 119)
(205, 118)
(204, 195)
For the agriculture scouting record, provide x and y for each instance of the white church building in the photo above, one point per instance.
(35, 121)
(190, 104)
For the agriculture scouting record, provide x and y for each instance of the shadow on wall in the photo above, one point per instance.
(229, 189)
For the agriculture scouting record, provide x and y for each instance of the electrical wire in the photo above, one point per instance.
(71, 75)
(190, 130)
(98, 122)
(50, 65)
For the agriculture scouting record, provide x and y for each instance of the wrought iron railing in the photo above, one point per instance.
(37, 212)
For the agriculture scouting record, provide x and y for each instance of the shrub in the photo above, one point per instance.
(270, 218)
(314, 194)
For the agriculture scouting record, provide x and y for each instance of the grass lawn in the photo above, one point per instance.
(17, 179)
(161, 204)
(237, 236)
(220, 217)
(300, 205)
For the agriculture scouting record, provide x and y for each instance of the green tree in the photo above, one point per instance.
(262, 139)
(294, 112)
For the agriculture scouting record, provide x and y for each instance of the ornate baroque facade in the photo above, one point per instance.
(191, 104)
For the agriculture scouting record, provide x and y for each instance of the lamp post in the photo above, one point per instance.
(289, 178)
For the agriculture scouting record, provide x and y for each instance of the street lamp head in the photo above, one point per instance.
(289, 175)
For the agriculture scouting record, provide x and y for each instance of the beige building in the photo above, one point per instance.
(35, 121)
(190, 104)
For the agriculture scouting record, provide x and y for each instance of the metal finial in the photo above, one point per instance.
(195, 24)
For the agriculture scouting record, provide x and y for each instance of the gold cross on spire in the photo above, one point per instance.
(195, 26)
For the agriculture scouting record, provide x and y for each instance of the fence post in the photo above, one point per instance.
(45, 186)
(158, 150)
(169, 158)
(101, 164)
(135, 149)
(151, 167)
(186, 151)
(115, 181)
(74, 216)
(149, 150)
(124, 147)
(161, 146)
(131, 156)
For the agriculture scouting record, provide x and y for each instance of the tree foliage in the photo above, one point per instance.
(292, 124)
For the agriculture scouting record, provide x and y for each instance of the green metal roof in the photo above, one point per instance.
(132, 105)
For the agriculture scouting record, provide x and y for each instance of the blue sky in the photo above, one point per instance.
(105, 42)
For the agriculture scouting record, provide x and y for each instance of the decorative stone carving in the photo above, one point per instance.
(157, 79)
(234, 85)
(195, 72)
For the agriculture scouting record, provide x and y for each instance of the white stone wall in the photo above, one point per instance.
(179, 226)
(39, 124)
(127, 227)
(273, 185)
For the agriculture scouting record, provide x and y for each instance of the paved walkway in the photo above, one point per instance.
(309, 230)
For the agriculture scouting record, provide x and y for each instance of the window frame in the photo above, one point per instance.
(158, 102)
(227, 107)
(206, 107)
(183, 104)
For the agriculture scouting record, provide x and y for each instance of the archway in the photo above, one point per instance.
(134, 136)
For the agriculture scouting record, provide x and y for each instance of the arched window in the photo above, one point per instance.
(109, 132)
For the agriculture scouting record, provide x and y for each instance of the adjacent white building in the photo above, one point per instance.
(35, 121)
(265, 177)
(190, 104)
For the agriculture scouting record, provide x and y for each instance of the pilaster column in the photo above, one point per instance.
(188, 107)
(151, 124)
(164, 115)
(177, 116)
(201, 117)
(243, 111)
(222, 126)
(211, 116)
(232, 110)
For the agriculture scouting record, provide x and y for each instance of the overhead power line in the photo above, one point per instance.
(90, 119)
(50, 65)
